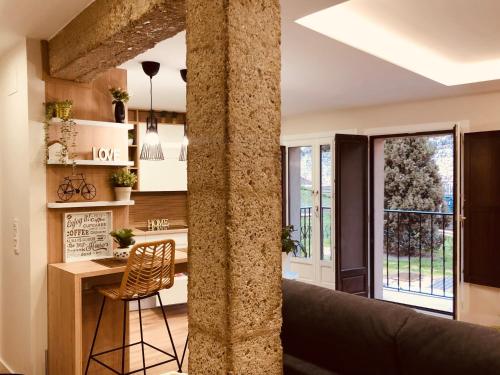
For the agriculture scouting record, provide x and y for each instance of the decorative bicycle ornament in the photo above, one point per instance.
(76, 184)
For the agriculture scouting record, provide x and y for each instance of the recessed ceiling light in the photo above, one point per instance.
(345, 23)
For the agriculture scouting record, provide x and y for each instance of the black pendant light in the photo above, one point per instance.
(151, 147)
(183, 153)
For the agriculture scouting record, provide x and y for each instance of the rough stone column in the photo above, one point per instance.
(233, 109)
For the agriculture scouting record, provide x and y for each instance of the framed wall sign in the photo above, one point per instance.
(86, 235)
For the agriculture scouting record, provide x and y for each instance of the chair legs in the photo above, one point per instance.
(169, 333)
(142, 337)
(124, 345)
(124, 335)
(95, 335)
(184, 352)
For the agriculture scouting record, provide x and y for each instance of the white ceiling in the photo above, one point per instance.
(318, 73)
(459, 46)
(169, 90)
(39, 19)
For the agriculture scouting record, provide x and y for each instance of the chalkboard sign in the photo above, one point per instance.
(86, 235)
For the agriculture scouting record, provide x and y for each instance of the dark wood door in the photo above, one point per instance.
(351, 213)
(482, 208)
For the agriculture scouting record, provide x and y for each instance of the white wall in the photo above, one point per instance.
(22, 187)
(477, 304)
(38, 211)
(15, 273)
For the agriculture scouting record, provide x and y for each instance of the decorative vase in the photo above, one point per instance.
(130, 141)
(123, 193)
(119, 112)
(122, 252)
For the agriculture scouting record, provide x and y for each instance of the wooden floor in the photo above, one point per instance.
(155, 332)
(3, 370)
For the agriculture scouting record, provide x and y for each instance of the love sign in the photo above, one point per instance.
(106, 154)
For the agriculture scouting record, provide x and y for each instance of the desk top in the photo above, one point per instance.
(91, 268)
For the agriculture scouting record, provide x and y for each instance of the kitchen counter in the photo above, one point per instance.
(73, 310)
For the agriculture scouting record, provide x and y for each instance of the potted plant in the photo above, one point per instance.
(290, 247)
(123, 181)
(67, 130)
(125, 239)
(130, 138)
(119, 98)
(63, 109)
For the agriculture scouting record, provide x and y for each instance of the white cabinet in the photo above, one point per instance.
(180, 238)
(169, 174)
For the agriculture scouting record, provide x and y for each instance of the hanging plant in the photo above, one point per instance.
(68, 133)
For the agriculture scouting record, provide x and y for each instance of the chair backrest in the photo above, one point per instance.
(150, 268)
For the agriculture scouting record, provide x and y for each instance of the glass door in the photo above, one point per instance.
(310, 186)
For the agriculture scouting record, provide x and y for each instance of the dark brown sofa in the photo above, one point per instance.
(326, 332)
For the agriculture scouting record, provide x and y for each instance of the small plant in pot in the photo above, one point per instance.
(290, 247)
(123, 181)
(119, 98)
(125, 239)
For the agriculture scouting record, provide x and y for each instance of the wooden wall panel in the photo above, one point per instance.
(96, 175)
(91, 101)
(95, 136)
(155, 205)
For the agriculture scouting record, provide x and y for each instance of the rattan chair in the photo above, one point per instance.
(150, 268)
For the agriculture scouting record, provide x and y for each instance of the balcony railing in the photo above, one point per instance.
(306, 229)
(418, 252)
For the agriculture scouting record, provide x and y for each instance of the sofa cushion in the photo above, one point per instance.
(430, 345)
(341, 332)
(295, 366)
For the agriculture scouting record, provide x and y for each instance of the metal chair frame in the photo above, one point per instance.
(143, 260)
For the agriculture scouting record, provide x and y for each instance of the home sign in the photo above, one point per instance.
(106, 154)
(86, 235)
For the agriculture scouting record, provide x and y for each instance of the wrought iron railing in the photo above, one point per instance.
(418, 252)
(306, 228)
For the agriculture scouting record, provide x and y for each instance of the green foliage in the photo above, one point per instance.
(123, 178)
(289, 245)
(123, 237)
(412, 182)
(67, 137)
(119, 95)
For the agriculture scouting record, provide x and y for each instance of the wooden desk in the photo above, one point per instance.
(73, 307)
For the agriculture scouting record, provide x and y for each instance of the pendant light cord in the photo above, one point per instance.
(151, 99)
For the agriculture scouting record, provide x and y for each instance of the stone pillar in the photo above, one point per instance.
(234, 190)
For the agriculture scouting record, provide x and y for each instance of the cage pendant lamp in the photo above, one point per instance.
(151, 147)
(183, 153)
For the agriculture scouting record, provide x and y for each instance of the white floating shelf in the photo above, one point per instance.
(113, 163)
(104, 124)
(89, 204)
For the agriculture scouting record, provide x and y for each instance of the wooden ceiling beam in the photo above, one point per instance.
(109, 32)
